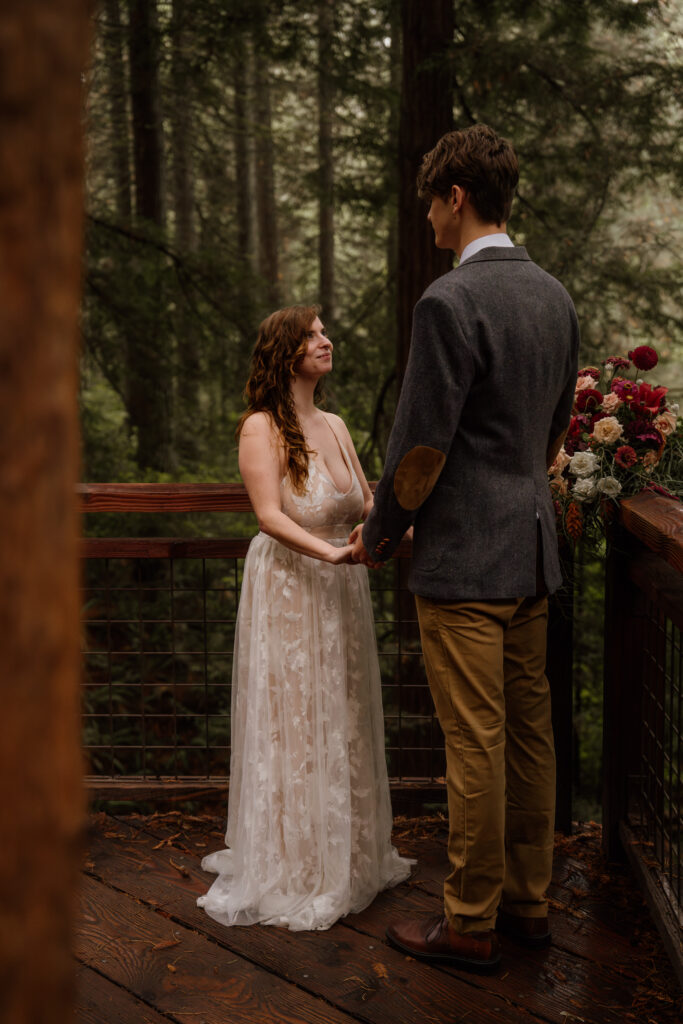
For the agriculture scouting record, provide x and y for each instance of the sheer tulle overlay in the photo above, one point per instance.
(309, 818)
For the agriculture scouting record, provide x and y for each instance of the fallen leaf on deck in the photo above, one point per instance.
(166, 944)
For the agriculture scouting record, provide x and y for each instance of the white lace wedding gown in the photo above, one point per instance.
(309, 819)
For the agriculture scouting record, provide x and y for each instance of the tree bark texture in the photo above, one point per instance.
(266, 209)
(326, 158)
(187, 337)
(243, 169)
(426, 113)
(147, 129)
(149, 391)
(118, 106)
(43, 57)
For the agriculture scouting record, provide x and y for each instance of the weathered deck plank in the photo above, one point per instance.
(144, 877)
(135, 947)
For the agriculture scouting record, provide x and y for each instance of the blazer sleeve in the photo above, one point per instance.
(437, 380)
(563, 409)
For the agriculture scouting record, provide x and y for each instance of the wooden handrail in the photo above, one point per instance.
(657, 522)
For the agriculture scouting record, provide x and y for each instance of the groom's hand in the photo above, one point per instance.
(359, 552)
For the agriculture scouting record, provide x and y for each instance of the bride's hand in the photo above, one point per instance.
(341, 555)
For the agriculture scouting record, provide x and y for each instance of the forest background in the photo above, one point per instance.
(247, 154)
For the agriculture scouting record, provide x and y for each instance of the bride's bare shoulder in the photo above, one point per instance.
(259, 425)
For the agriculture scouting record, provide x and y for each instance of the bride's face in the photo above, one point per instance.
(318, 358)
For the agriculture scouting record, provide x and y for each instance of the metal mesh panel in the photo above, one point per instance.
(158, 637)
(657, 794)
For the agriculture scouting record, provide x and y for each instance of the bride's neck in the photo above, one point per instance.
(303, 396)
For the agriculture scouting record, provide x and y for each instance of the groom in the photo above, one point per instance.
(484, 407)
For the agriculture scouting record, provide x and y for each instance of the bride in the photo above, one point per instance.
(309, 817)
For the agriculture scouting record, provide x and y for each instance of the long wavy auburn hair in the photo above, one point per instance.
(280, 344)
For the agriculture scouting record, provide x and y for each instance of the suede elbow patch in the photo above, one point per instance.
(416, 475)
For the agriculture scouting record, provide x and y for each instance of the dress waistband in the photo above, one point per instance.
(331, 532)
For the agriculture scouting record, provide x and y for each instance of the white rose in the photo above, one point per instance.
(583, 464)
(608, 430)
(609, 486)
(584, 489)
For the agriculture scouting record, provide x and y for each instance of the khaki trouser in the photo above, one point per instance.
(485, 663)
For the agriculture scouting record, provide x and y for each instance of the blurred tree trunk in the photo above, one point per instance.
(187, 335)
(266, 211)
(43, 55)
(149, 377)
(147, 130)
(326, 159)
(243, 171)
(426, 113)
(113, 48)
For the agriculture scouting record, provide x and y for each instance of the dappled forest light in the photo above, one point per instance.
(244, 155)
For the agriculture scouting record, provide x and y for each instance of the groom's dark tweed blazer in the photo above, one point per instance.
(489, 385)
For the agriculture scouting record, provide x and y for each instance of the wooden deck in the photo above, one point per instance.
(147, 955)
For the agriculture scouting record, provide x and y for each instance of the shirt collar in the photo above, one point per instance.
(500, 239)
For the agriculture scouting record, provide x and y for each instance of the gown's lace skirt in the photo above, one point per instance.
(309, 819)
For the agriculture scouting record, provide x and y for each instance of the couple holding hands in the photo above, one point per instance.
(483, 409)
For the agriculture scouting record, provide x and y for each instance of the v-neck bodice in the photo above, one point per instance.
(322, 505)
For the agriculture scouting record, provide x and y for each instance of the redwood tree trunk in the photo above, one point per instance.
(426, 113)
(326, 159)
(149, 391)
(113, 47)
(266, 210)
(43, 55)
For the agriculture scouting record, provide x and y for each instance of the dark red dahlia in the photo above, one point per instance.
(644, 357)
(618, 362)
(625, 456)
(643, 431)
(589, 400)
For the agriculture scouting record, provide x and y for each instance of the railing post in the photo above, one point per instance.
(559, 670)
(622, 688)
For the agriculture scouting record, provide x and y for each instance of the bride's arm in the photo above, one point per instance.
(261, 462)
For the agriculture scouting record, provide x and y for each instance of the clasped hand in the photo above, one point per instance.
(359, 553)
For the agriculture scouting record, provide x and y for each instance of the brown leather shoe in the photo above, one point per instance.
(532, 932)
(433, 938)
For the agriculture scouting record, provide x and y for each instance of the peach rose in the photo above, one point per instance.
(584, 382)
(561, 460)
(611, 402)
(608, 430)
(666, 423)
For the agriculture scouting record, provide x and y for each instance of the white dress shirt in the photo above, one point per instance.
(483, 242)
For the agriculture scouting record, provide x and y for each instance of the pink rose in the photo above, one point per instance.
(665, 423)
(608, 430)
(561, 460)
(611, 403)
(584, 382)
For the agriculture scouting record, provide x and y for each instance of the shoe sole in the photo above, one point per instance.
(481, 966)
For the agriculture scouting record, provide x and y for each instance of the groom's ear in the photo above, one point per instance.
(457, 197)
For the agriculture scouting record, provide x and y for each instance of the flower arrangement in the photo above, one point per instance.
(623, 437)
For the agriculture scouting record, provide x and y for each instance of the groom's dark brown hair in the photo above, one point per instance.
(481, 162)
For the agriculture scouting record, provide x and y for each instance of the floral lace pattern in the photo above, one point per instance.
(309, 819)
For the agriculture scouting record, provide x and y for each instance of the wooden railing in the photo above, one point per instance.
(156, 707)
(643, 706)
